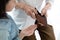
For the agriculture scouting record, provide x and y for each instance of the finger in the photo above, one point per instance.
(29, 12)
(33, 15)
(35, 11)
(43, 12)
(30, 33)
(46, 15)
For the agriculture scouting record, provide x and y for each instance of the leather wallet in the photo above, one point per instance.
(41, 20)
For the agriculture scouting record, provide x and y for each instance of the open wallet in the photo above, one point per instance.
(40, 20)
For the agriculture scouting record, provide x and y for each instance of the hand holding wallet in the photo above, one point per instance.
(41, 20)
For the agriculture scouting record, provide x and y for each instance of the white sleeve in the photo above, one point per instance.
(49, 1)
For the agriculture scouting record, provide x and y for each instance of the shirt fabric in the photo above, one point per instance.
(8, 29)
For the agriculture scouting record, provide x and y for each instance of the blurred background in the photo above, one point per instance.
(53, 19)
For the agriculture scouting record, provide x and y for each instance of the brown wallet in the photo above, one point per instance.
(41, 20)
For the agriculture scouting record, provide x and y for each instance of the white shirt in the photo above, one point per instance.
(35, 3)
(21, 18)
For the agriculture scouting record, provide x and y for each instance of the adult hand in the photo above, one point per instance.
(28, 31)
(31, 11)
